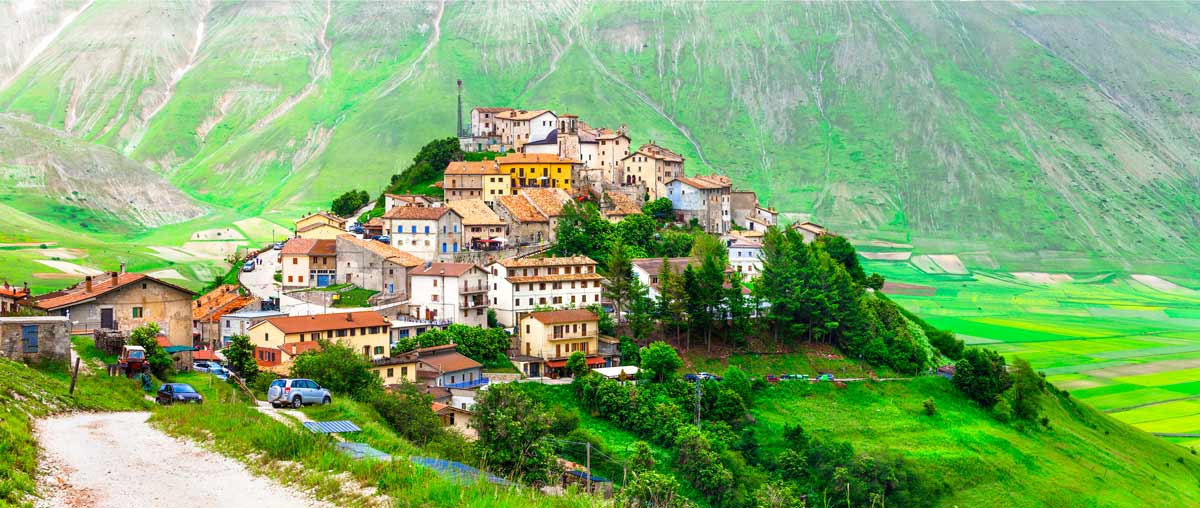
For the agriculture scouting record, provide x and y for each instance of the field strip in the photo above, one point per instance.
(1121, 336)
(1145, 353)
(1150, 404)
(1076, 369)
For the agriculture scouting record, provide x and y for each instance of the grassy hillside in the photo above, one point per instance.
(1010, 129)
(1083, 459)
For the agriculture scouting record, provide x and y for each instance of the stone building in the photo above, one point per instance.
(123, 301)
(652, 166)
(35, 338)
(374, 265)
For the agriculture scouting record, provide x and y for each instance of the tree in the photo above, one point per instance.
(577, 364)
(841, 251)
(672, 297)
(511, 426)
(1025, 395)
(700, 464)
(642, 458)
(641, 310)
(737, 380)
(408, 411)
(582, 231)
(338, 368)
(660, 361)
(159, 360)
(240, 355)
(740, 309)
(673, 244)
(630, 353)
(776, 494)
(981, 375)
(709, 246)
(710, 279)
(479, 344)
(637, 230)
(349, 202)
(604, 321)
(660, 209)
(618, 278)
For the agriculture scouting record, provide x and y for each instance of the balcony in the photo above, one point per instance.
(469, 384)
(471, 291)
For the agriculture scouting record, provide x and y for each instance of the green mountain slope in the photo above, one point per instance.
(1004, 128)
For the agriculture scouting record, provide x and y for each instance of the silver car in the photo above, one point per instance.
(296, 393)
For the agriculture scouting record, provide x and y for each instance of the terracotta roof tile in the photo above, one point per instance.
(317, 225)
(500, 109)
(322, 322)
(521, 209)
(475, 212)
(472, 168)
(657, 152)
(653, 265)
(450, 362)
(522, 114)
(327, 215)
(548, 201)
(562, 277)
(706, 182)
(622, 205)
(100, 284)
(551, 261)
(383, 250)
(563, 316)
(13, 291)
(324, 248)
(416, 213)
(533, 158)
(439, 269)
(295, 348)
(220, 301)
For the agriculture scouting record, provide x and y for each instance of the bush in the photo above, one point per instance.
(409, 412)
(511, 426)
(930, 407)
(479, 344)
(159, 360)
(240, 354)
(660, 362)
(577, 365)
(349, 202)
(981, 375)
(340, 369)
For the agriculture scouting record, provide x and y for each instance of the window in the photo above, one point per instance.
(295, 260)
(584, 328)
(352, 330)
(433, 297)
(426, 229)
(341, 333)
(404, 371)
(379, 350)
(299, 278)
(302, 337)
(137, 312)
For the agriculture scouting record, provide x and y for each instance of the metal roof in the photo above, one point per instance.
(584, 475)
(177, 349)
(359, 451)
(459, 471)
(333, 427)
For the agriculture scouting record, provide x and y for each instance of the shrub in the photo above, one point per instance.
(660, 361)
(240, 354)
(981, 375)
(338, 368)
(930, 407)
(511, 426)
(577, 364)
(409, 412)
(160, 361)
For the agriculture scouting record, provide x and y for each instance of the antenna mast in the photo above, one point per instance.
(460, 127)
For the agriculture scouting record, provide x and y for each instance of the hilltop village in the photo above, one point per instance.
(532, 247)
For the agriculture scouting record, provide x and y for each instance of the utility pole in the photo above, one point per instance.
(698, 395)
(588, 445)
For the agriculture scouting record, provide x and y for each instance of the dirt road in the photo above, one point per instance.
(100, 459)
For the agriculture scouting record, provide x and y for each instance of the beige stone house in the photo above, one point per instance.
(308, 262)
(526, 225)
(374, 265)
(518, 286)
(455, 292)
(123, 301)
(652, 166)
(482, 228)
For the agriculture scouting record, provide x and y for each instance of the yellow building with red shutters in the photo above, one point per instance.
(538, 170)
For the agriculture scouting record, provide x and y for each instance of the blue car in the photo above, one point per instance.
(384, 238)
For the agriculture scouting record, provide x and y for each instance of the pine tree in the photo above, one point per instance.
(641, 310)
(619, 274)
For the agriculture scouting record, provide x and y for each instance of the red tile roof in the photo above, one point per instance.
(323, 322)
(416, 213)
(471, 168)
(13, 291)
(204, 354)
(656, 152)
(550, 317)
(706, 182)
(521, 209)
(100, 285)
(550, 261)
(548, 201)
(522, 114)
(450, 362)
(309, 247)
(533, 158)
(296, 348)
(492, 109)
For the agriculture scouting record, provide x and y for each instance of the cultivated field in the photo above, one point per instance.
(1128, 345)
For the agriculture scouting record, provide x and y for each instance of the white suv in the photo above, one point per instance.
(296, 392)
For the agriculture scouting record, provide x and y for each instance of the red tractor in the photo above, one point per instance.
(132, 361)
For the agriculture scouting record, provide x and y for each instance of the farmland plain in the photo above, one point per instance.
(1126, 347)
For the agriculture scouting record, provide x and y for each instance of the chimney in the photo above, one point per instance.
(87, 283)
(349, 316)
(122, 267)
(114, 278)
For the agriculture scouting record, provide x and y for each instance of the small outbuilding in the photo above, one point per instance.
(35, 338)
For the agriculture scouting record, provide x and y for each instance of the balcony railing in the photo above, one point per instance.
(469, 384)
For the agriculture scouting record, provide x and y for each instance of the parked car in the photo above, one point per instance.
(825, 377)
(277, 246)
(357, 228)
(708, 375)
(297, 392)
(248, 267)
(202, 365)
(170, 393)
(221, 372)
(691, 378)
(772, 379)
(384, 238)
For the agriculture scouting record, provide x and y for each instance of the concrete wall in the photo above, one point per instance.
(53, 338)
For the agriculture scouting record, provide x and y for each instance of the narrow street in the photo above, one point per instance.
(117, 460)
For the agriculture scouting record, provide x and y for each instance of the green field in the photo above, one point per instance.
(1114, 342)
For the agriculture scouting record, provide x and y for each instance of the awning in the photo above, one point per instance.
(558, 364)
(178, 349)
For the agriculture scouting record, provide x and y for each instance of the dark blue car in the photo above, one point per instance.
(170, 393)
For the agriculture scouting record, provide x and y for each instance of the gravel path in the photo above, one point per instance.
(102, 459)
